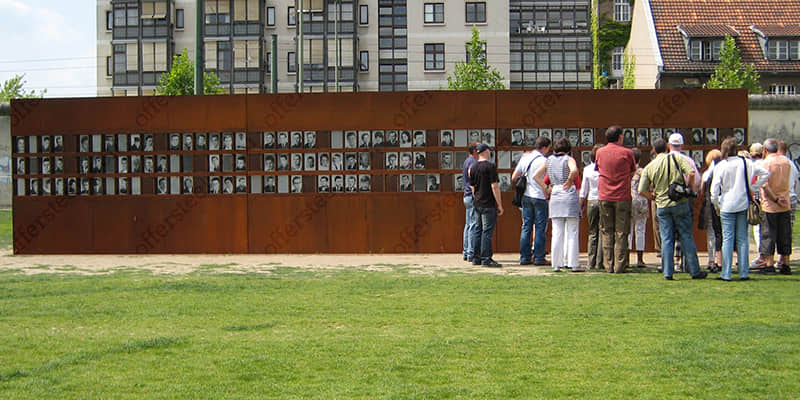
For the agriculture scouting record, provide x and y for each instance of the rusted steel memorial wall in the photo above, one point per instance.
(308, 173)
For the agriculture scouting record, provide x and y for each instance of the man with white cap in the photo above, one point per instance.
(675, 147)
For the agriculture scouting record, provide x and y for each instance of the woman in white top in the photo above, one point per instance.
(590, 206)
(729, 193)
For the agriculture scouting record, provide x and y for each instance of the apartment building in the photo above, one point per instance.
(342, 45)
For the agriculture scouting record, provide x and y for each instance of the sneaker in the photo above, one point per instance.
(766, 270)
(701, 275)
(528, 262)
(669, 278)
(784, 269)
(476, 261)
(577, 269)
(466, 258)
(492, 264)
(757, 264)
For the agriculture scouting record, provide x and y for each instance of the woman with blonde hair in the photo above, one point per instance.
(709, 214)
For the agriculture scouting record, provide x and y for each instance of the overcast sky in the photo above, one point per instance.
(52, 42)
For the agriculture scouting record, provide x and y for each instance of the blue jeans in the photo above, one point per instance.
(469, 225)
(485, 220)
(534, 213)
(672, 220)
(734, 234)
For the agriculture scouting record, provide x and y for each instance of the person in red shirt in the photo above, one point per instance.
(615, 165)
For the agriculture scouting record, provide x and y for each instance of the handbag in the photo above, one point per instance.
(521, 185)
(677, 190)
(754, 214)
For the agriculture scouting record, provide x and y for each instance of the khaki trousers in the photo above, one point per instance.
(656, 234)
(615, 226)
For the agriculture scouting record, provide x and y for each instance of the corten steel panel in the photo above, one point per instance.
(676, 108)
(289, 223)
(54, 225)
(371, 110)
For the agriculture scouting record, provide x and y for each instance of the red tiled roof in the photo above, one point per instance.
(779, 30)
(738, 14)
(708, 30)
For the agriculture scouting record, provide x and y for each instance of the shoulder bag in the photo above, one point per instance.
(521, 185)
(754, 214)
(677, 190)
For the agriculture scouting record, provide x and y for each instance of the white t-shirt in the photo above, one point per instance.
(589, 184)
(535, 160)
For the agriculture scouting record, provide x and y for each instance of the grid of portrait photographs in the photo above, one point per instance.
(345, 161)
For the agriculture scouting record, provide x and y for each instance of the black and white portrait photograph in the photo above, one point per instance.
(405, 183)
(364, 163)
(148, 143)
(83, 165)
(531, 134)
(546, 132)
(72, 186)
(391, 161)
(586, 157)
(47, 168)
(420, 183)
(45, 187)
(227, 185)
(174, 141)
(227, 144)
(419, 138)
(269, 140)
(58, 143)
(161, 164)
(628, 137)
(214, 185)
(447, 138)
(642, 137)
(122, 186)
(83, 186)
(515, 157)
(446, 160)
(364, 139)
(338, 184)
(378, 139)
(122, 165)
(97, 164)
(505, 182)
(200, 142)
(241, 141)
(136, 142)
(296, 140)
(188, 142)
(323, 184)
(392, 139)
(655, 134)
(458, 182)
(433, 182)
(461, 137)
(350, 140)
(83, 144)
(517, 137)
(350, 162)
(269, 184)
(405, 138)
(161, 185)
(20, 165)
(337, 162)
(296, 162)
(573, 134)
(587, 137)
(324, 162)
(149, 165)
(19, 145)
(474, 136)
(187, 185)
(350, 183)
(33, 187)
(558, 133)
(122, 143)
(46, 146)
(213, 163)
(241, 163)
(503, 159)
(406, 160)
(282, 140)
(241, 184)
(108, 143)
(697, 136)
(269, 162)
(488, 137)
(59, 186)
(283, 162)
(738, 134)
(364, 184)
(419, 160)
(711, 136)
(699, 159)
(136, 164)
(97, 186)
(310, 162)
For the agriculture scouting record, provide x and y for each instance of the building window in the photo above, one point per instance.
(617, 61)
(704, 50)
(291, 62)
(483, 51)
(218, 18)
(126, 15)
(363, 14)
(393, 75)
(434, 56)
(782, 89)
(291, 16)
(109, 20)
(622, 10)
(109, 66)
(270, 16)
(179, 18)
(434, 13)
(783, 50)
(476, 12)
(268, 60)
(363, 61)
(120, 59)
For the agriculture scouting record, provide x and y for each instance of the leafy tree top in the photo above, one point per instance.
(731, 73)
(179, 81)
(475, 74)
(13, 89)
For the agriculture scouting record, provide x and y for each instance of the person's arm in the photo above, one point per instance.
(496, 191)
(644, 186)
(537, 176)
(761, 176)
(716, 186)
(573, 172)
(517, 172)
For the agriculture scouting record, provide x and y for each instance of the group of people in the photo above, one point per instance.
(616, 195)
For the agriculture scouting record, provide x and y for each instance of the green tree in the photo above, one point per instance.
(628, 78)
(179, 81)
(475, 74)
(13, 89)
(731, 73)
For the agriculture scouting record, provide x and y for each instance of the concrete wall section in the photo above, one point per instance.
(5, 156)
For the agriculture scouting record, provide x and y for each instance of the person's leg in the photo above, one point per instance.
(527, 228)
(489, 222)
(641, 230)
(557, 244)
(717, 224)
(622, 228)
(593, 217)
(729, 227)
(742, 245)
(767, 246)
(477, 232)
(469, 222)
(667, 230)
(656, 229)
(607, 219)
(540, 226)
(683, 222)
(711, 239)
(783, 240)
(571, 233)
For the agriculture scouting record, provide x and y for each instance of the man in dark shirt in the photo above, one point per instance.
(484, 182)
(469, 221)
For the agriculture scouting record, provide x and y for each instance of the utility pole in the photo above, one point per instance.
(300, 45)
(198, 49)
(273, 62)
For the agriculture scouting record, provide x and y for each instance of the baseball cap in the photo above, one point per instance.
(483, 147)
(676, 139)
